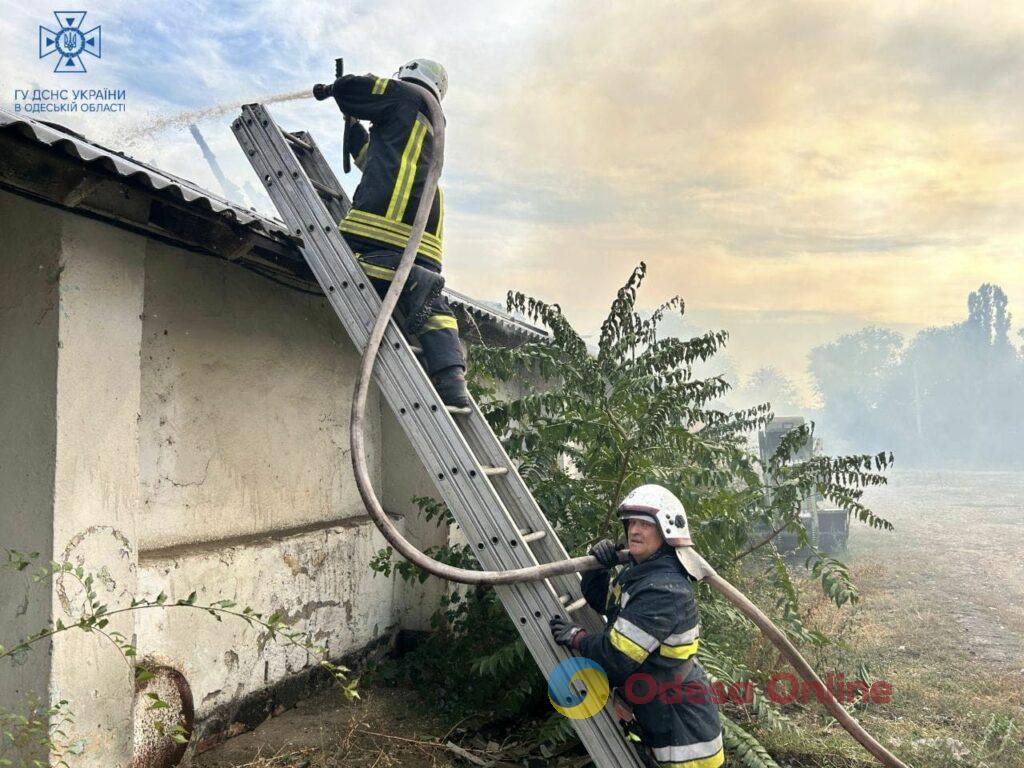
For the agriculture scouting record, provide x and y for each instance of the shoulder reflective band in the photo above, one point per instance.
(379, 86)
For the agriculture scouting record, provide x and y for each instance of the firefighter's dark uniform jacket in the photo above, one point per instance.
(652, 631)
(394, 157)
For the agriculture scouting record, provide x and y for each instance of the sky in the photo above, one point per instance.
(795, 170)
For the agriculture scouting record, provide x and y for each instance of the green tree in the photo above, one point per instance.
(596, 425)
(853, 378)
(768, 385)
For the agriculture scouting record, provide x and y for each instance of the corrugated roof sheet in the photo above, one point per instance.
(77, 146)
(62, 139)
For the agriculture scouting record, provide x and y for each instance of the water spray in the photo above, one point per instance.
(183, 120)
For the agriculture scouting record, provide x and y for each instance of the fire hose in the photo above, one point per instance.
(694, 563)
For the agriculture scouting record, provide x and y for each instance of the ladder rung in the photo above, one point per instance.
(325, 190)
(289, 163)
(575, 605)
(459, 410)
(297, 141)
(533, 536)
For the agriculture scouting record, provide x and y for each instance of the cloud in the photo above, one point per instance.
(805, 155)
(862, 160)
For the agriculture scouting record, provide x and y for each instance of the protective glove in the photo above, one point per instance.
(606, 553)
(322, 91)
(566, 633)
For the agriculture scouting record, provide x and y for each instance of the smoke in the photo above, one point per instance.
(948, 397)
(132, 136)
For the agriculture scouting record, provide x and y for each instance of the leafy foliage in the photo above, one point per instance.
(744, 748)
(37, 729)
(585, 426)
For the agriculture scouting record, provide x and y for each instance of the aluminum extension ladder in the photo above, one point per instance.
(470, 469)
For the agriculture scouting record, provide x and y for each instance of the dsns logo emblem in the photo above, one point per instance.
(586, 673)
(70, 41)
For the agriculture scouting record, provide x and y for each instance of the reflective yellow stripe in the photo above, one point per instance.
(407, 171)
(680, 651)
(361, 157)
(440, 215)
(374, 270)
(412, 174)
(613, 595)
(440, 323)
(372, 232)
(379, 86)
(397, 227)
(385, 236)
(714, 761)
(627, 646)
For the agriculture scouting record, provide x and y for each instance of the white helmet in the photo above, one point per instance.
(426, 72)
(659, 505)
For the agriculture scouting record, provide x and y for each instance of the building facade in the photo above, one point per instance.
(174, 413)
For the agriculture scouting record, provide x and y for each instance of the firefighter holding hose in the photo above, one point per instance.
(649, 645)
(652, 616)
(394, 157)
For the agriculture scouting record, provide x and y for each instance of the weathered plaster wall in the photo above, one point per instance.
(404, 478)
(96, 486)
(28, 393)
(246, 476)
(318, 580)
(246, 392)
(174, 423)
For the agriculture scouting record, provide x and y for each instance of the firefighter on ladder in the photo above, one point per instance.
(649, 645)
(394, 157)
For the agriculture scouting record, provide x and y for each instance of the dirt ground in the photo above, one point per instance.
(954, 566)
(385, 728)
(941, 617)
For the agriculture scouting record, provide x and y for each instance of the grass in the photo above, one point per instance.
(949, 708)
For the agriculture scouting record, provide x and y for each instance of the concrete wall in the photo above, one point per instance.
(246, 475)
(96, 486)
(404, 477)
(246, 391)
(175, 423)
(28, 395)
(318, 580)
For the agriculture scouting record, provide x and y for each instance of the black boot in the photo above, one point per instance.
(421, 289)
(450, 384)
